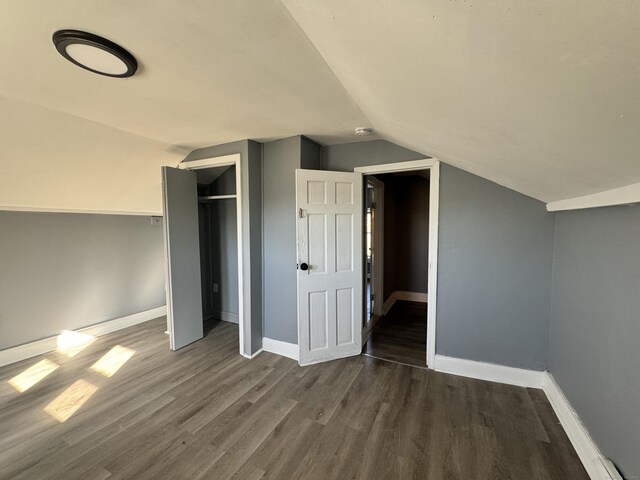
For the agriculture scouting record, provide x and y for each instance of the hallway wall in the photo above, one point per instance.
(406, 233)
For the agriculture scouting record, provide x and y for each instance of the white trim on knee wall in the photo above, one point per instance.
(38, 347)
(597, 466)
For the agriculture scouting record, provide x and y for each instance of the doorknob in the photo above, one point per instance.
(304, 266)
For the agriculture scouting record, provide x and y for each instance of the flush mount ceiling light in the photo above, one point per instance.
(95, 53)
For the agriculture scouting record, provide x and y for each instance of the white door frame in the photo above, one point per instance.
(378, 244)
(433, 165)
(244, 321)
(378, 257)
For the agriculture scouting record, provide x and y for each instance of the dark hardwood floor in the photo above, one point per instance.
(206, 412)
(401, 335)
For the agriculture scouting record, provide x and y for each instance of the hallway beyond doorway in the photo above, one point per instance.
(400, 335)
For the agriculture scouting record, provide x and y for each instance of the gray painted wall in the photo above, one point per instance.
(346, 156)
(67, 271)
(406, 233)
(219, 247)
(595, 326)
(251, 164)
(494, 267)
(281, 158)
(225, 256)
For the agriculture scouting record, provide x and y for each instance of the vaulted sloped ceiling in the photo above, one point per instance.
(542, 97)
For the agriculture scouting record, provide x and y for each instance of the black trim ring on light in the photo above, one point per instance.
(64, 38)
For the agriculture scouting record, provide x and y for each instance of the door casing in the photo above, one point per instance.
(433, 165)
(244, 289)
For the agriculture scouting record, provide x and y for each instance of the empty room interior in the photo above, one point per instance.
(289, 239)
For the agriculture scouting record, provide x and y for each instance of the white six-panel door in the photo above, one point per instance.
(329, 248)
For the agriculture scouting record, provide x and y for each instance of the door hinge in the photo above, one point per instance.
(301, 213)
(373, 205)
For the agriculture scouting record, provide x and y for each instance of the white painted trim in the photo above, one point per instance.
(378, 247)
(617, 196)
(38, 347)
(490, 372)
(220, 161)
(36, 209)
(434, 207)
(389, 302)
(244, 288)
(254, 355)
(422, 164)
(286, 349)
(229, 317)
(434, 222)
(411, 296)
(401, 295)
(597, 466)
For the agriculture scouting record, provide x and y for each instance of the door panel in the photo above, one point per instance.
(182, 247)
(329, 206)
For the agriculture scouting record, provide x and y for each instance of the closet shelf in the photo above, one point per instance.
(212, 198)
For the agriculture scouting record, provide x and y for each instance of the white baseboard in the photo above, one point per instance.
(412, 296)
(401, 295)
(245, 355)
(490, 372)
(286, 349)
(38, 347)
(597, 466)
(229, 317)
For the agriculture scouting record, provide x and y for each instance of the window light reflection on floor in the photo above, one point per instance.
(111, 361)
(71, 343)
(69, 401)
(32, 375)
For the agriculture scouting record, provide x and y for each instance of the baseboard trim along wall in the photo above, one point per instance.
(596, 465)
(229, 317)
(490, 372)
(246, 355)
(286, 349)
(38, 347)
(400, 295)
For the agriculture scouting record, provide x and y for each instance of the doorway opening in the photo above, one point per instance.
(400, 279)
(205, 277)
(399, 331)
(217, 222)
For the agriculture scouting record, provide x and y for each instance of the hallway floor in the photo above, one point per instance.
(401, 335)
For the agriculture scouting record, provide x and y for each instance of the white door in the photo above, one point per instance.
(182, 250)
(329, 241)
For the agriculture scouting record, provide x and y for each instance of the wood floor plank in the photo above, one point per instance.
(206, 412)
(401, 334)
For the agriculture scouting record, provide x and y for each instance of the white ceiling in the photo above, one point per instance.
(542, 97)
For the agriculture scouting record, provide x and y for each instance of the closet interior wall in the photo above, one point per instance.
(218, 244)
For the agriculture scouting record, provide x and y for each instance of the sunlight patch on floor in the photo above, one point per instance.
(111, 361)
(69, 401)
(32, 375)
(71, 343)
